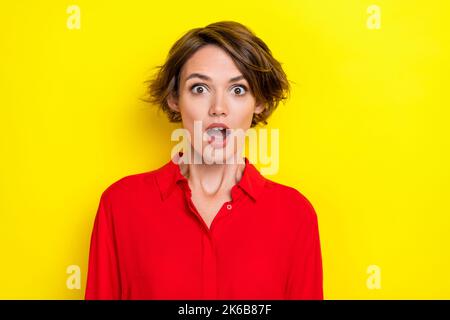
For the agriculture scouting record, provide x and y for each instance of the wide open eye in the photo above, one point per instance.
(239, 90)
(198, 88)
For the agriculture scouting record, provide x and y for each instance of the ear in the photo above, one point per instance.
(172, 101)
(259, 107)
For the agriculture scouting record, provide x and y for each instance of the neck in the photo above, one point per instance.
(212, 179)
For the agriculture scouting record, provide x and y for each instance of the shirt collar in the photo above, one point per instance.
(169, 175)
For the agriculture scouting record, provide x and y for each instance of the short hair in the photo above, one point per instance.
(267, 80)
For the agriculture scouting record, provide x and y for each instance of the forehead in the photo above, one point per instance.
(212, 61)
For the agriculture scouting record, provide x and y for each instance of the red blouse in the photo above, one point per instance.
(150, 242)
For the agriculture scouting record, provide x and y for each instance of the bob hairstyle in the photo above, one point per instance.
(267, 80)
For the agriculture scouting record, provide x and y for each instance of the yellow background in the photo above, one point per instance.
(365, 135)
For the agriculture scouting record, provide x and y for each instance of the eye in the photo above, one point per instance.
(198, 88)
(239, 90)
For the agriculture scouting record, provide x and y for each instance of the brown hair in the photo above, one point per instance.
(253, 58)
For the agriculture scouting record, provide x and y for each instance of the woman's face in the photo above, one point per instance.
(213, 90)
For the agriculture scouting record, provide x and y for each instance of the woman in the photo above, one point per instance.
(209, 229)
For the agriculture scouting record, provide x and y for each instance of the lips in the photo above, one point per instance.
(217, 125)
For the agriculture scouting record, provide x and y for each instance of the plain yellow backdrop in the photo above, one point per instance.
(364, 136)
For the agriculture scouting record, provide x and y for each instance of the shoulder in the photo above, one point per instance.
(291, 199)
(130, 186)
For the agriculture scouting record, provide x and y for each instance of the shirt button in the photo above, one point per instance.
(229, 206)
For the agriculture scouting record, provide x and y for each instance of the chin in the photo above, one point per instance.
(221, 156)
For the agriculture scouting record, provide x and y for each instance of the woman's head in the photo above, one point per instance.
(221, 73)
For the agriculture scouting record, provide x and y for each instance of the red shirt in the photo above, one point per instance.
(149, 241)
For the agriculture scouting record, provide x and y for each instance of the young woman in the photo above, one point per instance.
(214, 228)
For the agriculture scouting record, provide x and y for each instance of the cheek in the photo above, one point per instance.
(192, 108)
(242, 111)
(191, 111)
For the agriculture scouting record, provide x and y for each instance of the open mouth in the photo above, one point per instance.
(218, 136)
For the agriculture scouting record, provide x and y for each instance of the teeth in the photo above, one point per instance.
(218, 131)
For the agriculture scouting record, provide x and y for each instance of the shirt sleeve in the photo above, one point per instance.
(305, 280)
(103, 281)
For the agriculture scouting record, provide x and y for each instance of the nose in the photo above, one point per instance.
(218, 106)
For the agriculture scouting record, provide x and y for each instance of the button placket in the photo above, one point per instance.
(209, 268)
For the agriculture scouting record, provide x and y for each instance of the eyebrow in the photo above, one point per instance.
(206, 78)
